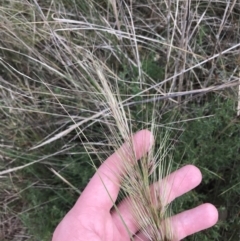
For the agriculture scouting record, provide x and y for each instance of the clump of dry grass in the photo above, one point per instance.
(76, 70)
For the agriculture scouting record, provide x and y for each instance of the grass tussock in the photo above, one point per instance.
(78, 78)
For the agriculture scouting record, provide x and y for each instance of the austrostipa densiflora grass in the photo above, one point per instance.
(142, 183)
(100, 71)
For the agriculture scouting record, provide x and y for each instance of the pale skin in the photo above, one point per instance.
(93, 219)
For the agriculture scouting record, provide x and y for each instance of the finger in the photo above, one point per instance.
(106, 181)
(189, 222)
(173, 186)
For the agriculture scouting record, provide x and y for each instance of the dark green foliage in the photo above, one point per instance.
(213, 145)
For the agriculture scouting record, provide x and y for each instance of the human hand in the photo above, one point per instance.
(93, 219)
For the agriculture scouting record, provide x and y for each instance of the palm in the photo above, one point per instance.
(93, 219)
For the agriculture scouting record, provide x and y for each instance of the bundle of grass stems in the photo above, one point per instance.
(142, 182)
(100, 71)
